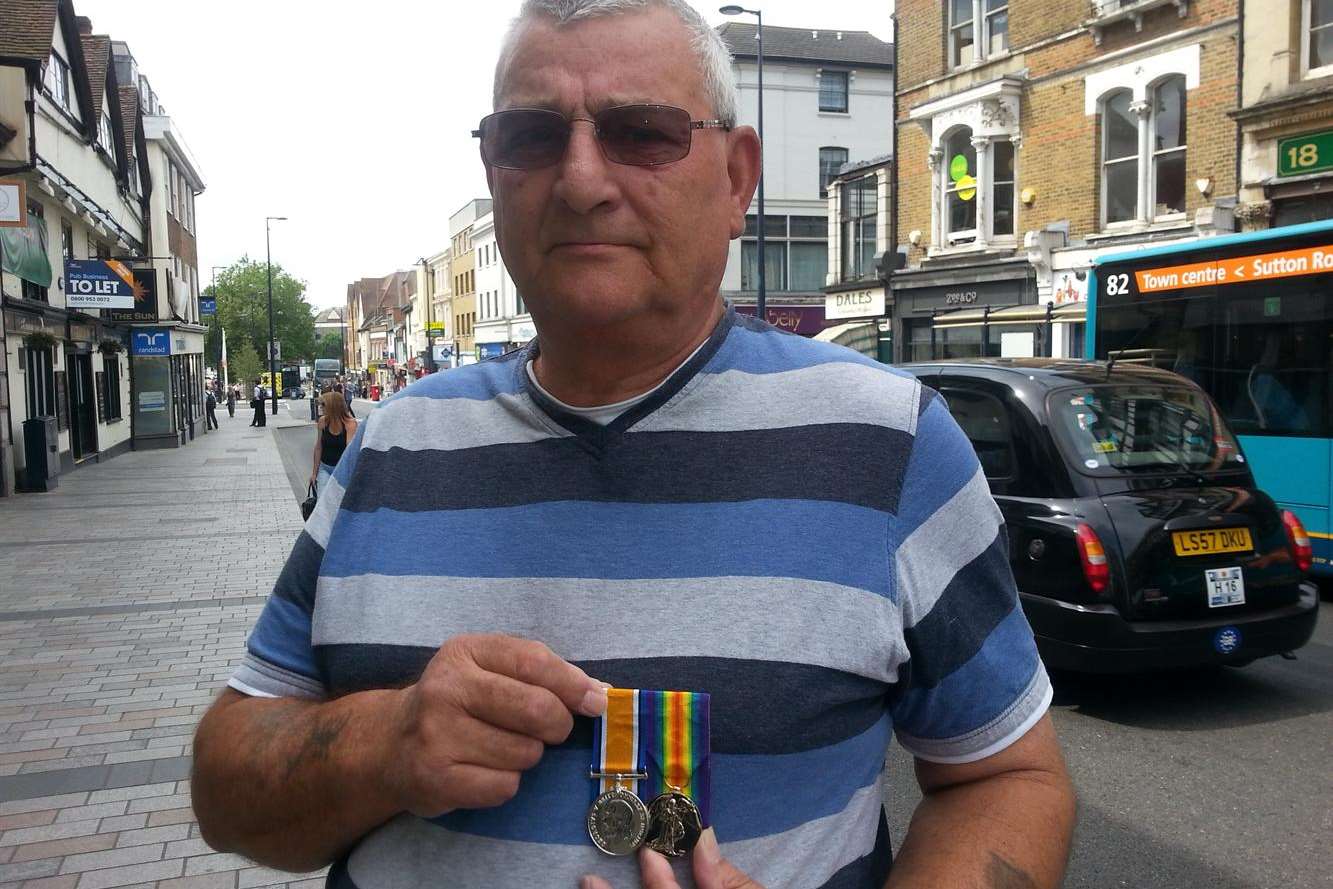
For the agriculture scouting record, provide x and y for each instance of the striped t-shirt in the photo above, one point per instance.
(797, 530)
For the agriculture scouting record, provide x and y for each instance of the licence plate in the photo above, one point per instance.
(1212, 540)
(1226, 586)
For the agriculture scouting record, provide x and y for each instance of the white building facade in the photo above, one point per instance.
(828, 100)
(503, 322)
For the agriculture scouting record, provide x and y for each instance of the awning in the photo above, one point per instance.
(860, 336)
(1032, 314)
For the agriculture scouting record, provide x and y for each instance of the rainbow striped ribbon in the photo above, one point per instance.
(664, 734)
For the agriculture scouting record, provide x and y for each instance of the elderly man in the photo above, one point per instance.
(656, 493)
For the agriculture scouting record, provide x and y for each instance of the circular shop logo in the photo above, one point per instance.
(1226, 640)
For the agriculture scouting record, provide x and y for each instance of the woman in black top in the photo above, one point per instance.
(333, 432)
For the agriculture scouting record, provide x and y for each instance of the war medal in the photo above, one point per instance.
(675, 742)
(617, 818)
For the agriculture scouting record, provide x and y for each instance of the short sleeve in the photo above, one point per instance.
(279, 656)
(973, 682)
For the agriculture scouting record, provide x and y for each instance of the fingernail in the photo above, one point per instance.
(708, 847)
(594, 702)
(586, 883)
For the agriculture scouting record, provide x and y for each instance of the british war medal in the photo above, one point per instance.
(617, 819)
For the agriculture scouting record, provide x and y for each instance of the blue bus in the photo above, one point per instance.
(1249, 317)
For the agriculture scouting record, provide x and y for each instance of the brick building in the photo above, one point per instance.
(1036, 135)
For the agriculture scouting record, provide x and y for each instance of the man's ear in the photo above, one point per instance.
(744, 163)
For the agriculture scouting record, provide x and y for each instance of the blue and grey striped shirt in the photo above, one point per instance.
(799, 531)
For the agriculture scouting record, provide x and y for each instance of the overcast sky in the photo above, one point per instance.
(351, 119)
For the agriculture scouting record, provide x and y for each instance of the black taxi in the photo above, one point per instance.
(1137, 536)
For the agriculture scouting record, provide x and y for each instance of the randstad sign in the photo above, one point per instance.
(99, 284)
(150, 341)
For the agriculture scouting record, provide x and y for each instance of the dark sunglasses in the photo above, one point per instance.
(639, 135)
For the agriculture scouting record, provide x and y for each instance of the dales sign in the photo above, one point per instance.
(99, 284)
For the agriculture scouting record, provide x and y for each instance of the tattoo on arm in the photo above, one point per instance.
(321, 737)
(1000, 874)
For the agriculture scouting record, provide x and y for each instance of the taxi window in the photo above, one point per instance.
(985, 422)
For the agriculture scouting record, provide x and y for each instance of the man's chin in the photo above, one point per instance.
(594, 303)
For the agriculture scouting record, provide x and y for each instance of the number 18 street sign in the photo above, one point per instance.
(1310, 153)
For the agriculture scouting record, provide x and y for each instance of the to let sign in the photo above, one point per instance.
(99, 284)
(1310, 153)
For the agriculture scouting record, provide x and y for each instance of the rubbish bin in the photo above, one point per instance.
(41, 454)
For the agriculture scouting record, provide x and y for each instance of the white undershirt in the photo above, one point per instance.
(603, 414)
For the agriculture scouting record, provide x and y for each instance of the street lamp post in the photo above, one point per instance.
(761, 302)
(222, 356)
(272, 357)
(426, 286)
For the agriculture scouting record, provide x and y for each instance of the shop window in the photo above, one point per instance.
(1317, 37)
(830, 160)
(833, 91)
(978, 30)
(111, 379)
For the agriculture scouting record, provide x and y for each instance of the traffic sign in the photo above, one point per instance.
(274, 351)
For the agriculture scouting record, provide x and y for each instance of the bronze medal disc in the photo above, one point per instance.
(617, 822)
(673, 824)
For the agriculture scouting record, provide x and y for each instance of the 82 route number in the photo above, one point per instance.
(1117, 285)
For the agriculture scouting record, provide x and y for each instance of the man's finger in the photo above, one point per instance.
(529, 710)
(535, 664)
(591, 882)
(712, 871)
(655, 871)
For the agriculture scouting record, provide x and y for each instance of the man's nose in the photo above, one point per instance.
(584, 182)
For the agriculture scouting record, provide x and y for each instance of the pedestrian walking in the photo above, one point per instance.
(210, 409)
(231, 401)
(585, 492)
(257, 402)
(333, 430)
(347, 396)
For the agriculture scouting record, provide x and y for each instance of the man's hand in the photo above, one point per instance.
(711, 870)
(481, 714)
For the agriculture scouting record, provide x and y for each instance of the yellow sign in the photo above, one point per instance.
(1261, 267)
(967, 188)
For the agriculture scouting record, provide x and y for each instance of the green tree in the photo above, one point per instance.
(242, 294)
(330, 345)
(243, 363)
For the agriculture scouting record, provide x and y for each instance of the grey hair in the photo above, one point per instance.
(713, 56)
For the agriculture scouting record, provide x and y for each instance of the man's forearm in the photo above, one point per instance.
(290, 783)
(1011, 831)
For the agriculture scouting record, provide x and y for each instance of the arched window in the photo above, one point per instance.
(1002, 188)
(960, 186)
(1168, 146)
(1120, 159)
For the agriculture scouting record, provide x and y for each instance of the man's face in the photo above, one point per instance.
(590, 242)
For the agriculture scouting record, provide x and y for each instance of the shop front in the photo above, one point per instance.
(168, 380)
(942, 314)
(856, 315)
(802, 320)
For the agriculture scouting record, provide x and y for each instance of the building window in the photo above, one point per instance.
(40, 382)
(1168, 146)
(858, 223)
(1143, 154)
(1317, 37)
(1120, 158)
(57, 80)
(978, 30)
(795, 253)
(66, 240)
(833, 91)
(105, 133)
(830, 160)
(35, 292)
(111, 379)
(1002, 188)
(960, 189)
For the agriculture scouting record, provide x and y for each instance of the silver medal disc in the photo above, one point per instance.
(618, 822)
(673, 824)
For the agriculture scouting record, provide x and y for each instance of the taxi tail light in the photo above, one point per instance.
(1093, 556)
(1299, 540)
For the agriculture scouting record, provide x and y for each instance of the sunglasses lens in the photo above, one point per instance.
(524, 139)
(644, 135)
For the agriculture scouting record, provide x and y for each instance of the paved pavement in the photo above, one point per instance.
(125, 598)
(120, 620)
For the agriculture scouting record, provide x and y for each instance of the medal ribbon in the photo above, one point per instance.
(675, 742)
(616, 738)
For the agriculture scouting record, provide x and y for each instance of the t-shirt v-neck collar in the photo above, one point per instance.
(594, 433)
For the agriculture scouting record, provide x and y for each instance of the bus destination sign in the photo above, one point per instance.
(1236, 270)
(1310, 153)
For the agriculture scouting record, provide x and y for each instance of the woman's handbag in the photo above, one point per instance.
(308, 505)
